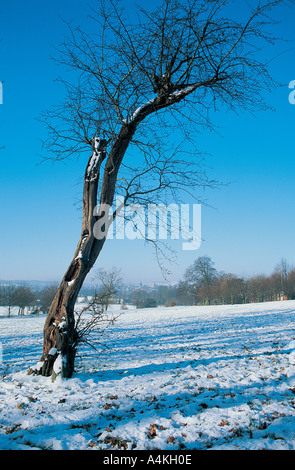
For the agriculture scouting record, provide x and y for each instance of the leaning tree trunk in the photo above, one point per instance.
(59, 330)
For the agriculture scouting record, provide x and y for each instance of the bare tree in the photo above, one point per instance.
(46, 296)
(232, 289)
(24, 297)
(91, 318)
(283, 269)
(8, 297)
(290, 291)
(134, 86)
(200, 277)
(110, 281)
(256, 288)
(17, 296)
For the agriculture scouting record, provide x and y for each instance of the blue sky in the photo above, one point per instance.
(246, 227)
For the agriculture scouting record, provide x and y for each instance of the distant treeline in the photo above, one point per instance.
(25, 299)
(204, 285)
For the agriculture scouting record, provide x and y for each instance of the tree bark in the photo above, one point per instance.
(59, 334)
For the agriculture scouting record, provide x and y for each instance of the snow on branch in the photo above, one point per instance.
(95, 156)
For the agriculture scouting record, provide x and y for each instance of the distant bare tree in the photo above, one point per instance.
(46, 296)
(24, 297)
(200, 276)
(283, 269)
(8, 297)
(232, 289)
(110, 281)
(133, 86)
(290, 288)
(256, 288)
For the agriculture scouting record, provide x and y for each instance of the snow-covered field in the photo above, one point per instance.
(220, 377)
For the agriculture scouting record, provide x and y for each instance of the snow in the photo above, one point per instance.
(80, 255)
(94, 158)
(216, 377)
(57, 366)
(52, 351)
(140, 108)
(175, 94)
(184, 92)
